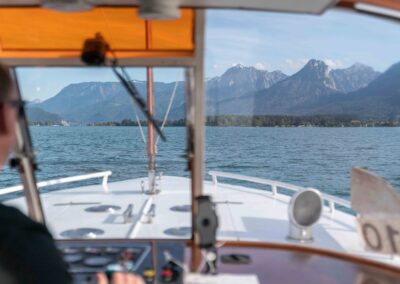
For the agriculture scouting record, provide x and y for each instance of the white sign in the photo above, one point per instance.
(380, 232)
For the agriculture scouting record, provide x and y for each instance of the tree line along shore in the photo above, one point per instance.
(271, 121)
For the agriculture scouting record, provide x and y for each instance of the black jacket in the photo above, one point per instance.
(28, 254)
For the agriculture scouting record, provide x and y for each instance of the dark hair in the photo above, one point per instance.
(5, 83)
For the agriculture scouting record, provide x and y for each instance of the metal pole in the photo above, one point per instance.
(190, 129)
(198, 133)
(191, 156)
(195, 128)
(26, 160)
(151, 147)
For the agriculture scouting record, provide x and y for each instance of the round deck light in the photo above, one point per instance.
(305, 209)
(159, 9)
(82, 233)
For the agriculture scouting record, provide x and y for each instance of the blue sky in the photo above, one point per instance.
(270, 41)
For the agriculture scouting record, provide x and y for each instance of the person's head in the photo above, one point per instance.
(7, 115)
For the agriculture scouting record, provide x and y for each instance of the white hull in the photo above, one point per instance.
(245, 214)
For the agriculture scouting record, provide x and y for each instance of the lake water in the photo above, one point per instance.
(313, 157)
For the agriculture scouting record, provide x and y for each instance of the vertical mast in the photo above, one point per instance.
(151, 147)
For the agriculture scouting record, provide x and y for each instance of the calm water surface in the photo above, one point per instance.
(315, 157)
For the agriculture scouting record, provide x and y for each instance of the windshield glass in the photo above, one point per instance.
(289, 98)
(297, 99)
(86, 128)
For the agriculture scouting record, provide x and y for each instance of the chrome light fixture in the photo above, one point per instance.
(377, 10)
(67, 5)
(159, 9)
(305, 209)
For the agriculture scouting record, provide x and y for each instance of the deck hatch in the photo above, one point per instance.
(181, 208)
(82, 233)
(178, 231)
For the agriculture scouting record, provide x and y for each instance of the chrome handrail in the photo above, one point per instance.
(332, 200)
(47, 183)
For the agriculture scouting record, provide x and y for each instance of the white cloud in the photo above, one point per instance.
(333, 63)
(295, 64)
(261, 66)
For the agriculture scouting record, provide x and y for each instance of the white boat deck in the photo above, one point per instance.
(245, 214)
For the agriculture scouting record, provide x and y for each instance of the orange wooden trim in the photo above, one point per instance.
(346, 4)
(312, 250)
(149, 35)
(77, 54)
(80, 50)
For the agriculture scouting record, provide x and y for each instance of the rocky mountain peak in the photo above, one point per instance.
(316, 71)
(238, 69)
(240, 80)
(318, 67)
(353, 78)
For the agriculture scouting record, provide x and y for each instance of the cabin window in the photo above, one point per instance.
(302, 98)
(84, 126)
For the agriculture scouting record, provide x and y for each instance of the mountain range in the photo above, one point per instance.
(315, 89)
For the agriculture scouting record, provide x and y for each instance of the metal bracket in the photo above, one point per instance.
(128, 214)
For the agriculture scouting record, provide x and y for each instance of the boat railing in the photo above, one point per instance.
(275, 185)
(104, 175)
